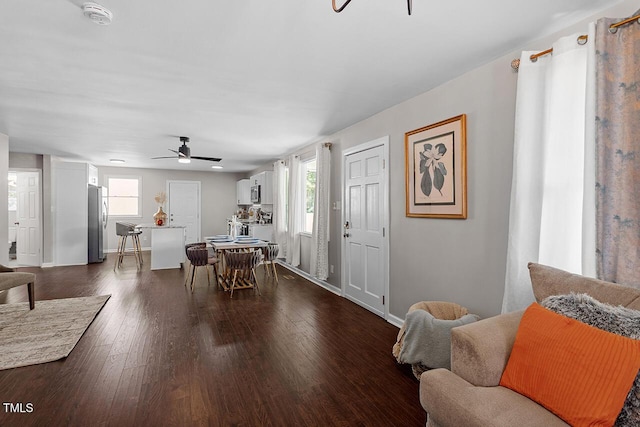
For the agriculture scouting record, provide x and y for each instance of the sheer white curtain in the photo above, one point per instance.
(552, 213)
(320, 240)
(295, 214)
(279, 206)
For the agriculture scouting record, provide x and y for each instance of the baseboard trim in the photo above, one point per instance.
(395, 320)
(310, 278)
(47, 265)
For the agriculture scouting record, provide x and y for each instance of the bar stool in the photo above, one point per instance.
(136, 249)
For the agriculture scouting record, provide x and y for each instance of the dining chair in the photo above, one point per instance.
(244, 263)
(199, 256)
(270, 254)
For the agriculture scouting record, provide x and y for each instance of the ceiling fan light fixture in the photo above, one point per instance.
(184, 160)
(97, 13)
(216, 167)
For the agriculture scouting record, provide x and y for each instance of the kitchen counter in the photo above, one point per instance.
(167, 245)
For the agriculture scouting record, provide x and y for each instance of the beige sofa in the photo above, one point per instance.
(469, 394)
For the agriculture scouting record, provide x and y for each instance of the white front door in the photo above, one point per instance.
(28, 218)
(184, 207)
(365, 243)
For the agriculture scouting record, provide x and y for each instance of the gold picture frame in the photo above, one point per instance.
(436, 170)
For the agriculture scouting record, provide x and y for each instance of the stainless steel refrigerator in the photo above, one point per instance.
(98, 215)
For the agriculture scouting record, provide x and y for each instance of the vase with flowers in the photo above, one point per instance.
(160, 217)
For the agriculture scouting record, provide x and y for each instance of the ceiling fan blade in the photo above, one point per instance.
(167, 157)
(180, 154)
(211, 159)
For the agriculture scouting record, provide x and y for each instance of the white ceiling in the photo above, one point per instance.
(246, 80)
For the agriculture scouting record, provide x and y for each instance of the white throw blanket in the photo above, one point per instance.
(425, 338)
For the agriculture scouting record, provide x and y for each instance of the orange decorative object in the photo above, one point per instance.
(160, 217)
(580, 373)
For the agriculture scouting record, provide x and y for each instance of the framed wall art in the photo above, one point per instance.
(436, 170)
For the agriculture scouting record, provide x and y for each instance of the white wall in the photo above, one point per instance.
(452, 260)
(218, 193)
(4, 198)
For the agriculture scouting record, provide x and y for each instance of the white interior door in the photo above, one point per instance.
(28, 239)
(184, 207)
(365, 253)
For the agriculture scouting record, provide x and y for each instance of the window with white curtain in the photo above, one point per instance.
(286, 198)
(124, 195)
(309, 184)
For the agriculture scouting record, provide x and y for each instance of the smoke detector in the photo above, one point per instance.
(98, 14)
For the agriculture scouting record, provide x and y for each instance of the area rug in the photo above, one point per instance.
(48, 332)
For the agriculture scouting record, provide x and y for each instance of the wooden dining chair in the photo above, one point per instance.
(243, 266)
(270, 254)
(199, 256)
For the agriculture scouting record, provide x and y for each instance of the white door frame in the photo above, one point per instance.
(384, 142)
(40, 214)
(199, 185)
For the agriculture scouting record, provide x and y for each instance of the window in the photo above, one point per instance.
(124, 196)
(13, 191)
(309, 185)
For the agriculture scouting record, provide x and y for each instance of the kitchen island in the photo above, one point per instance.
(167, 245)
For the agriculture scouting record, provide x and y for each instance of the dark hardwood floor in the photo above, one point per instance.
(157, 354)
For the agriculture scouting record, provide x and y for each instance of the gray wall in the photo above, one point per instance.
(4, 196)
(218, 194)
(452, 260)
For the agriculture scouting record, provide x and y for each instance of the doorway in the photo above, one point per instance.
(184, 207)
(365, 219)
(25, 225)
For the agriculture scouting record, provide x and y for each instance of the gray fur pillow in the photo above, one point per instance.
(618, 320)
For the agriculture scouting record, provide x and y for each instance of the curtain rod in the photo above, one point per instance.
(613, 28)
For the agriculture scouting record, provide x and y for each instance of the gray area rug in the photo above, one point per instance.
(48, 332)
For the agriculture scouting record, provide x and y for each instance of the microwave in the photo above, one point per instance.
(255, 194)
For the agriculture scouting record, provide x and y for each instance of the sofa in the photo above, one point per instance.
(470, 393)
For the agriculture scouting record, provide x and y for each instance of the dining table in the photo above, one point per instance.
(225, 276)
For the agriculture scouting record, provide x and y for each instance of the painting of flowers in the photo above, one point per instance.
(436, 170)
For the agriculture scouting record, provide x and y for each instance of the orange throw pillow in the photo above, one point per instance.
(580, 373)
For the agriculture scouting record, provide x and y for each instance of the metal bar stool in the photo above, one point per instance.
(136, 249)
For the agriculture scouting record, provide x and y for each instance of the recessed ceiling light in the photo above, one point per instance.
(116, 160)
(216, 167)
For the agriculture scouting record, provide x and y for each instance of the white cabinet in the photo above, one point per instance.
(92, 175)
(261, 231)
(265, 181)
(243, 190)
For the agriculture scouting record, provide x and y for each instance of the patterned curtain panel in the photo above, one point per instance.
(320, 240)
(279, 206)
(618, 152)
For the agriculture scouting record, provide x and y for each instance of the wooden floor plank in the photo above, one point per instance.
(159, 354)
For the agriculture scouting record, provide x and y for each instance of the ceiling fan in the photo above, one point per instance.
(184, 153)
